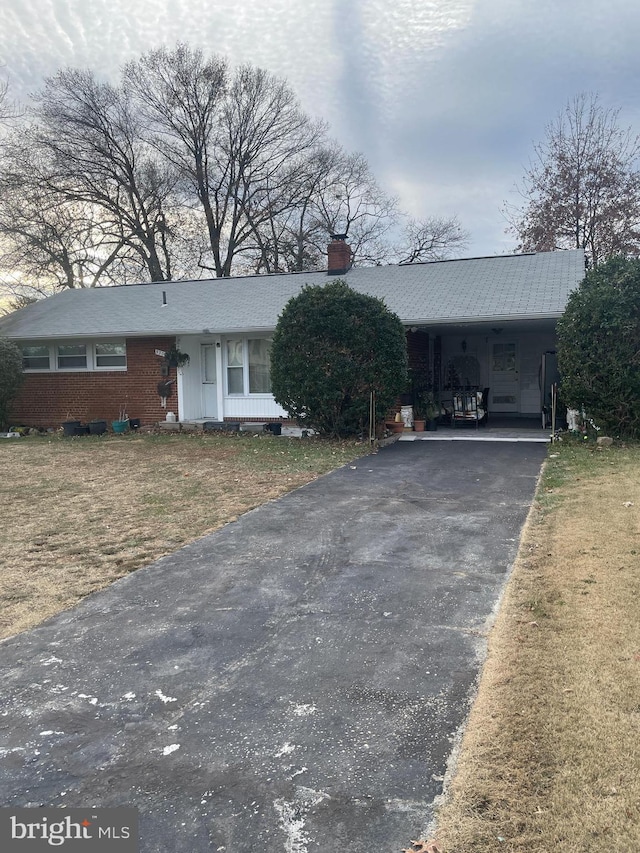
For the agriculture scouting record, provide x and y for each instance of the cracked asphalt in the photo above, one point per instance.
(293, 682)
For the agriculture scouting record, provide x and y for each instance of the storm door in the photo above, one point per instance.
(209, 381)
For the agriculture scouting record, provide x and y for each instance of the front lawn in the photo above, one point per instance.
(79, 513)
(550, 758)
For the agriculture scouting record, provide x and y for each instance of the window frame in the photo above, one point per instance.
(26, 369)
(91, 355)
(248, 347)
(61, 368)
(244, 367)
(96, 356)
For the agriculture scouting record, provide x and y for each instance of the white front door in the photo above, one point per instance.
(504, 395)
(209, 381)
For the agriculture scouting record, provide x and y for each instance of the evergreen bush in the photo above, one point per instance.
(599, 347)
(11, 377)
(331, 348)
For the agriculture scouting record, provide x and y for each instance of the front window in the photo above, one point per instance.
(35, 358)
(235, 367)
(111, 355)
(72, 356)
(248, 366)
(259, 366)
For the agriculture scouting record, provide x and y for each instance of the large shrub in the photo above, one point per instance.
(11, 377)
(599, 347)
(331, 348)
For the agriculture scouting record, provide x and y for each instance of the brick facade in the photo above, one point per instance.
(48, 399)
(418, 352)
(419, 367)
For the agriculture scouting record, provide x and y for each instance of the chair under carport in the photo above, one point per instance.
(470, 406)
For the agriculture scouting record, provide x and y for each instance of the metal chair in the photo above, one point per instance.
(467, 407)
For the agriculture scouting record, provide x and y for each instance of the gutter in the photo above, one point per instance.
(489, 318)
(243, 330)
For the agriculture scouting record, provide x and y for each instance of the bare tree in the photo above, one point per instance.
(237, 143)
(50, 242)
(289, 239)
(88, 134)
(267, 138)
(8, 108)
(336, 193)
(582, 189)
(183, 170)
(352, 202)
(179, 94)
(433, 239)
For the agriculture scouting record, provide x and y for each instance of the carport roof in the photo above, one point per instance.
(508, 287)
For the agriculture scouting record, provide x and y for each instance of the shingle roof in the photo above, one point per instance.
(517, 287)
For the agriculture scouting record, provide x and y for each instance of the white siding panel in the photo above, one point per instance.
(252, 407)
(191, 376)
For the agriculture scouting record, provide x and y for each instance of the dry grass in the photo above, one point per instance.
(550, 759)
(79, 513)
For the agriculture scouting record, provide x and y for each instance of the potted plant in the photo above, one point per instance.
(426, 412)
(419, 412)
(69, 425)
(395, 425)
(122, 424)
(175, 358)
(420, 393)
(434, 410)
(97, 426)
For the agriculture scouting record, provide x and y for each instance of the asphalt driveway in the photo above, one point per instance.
(291, 683)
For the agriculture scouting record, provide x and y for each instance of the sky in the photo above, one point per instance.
(445, 98)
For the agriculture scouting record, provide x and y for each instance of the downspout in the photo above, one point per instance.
(180, 386)
(220, 378)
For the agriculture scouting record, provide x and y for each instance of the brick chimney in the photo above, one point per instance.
(339, 255)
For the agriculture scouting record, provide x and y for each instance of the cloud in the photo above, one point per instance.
(444, 97)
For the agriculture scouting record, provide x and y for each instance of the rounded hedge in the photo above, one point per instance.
(331, 348)
(11, 377)
(599, 347)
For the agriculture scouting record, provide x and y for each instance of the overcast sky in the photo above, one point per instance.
(444, 97)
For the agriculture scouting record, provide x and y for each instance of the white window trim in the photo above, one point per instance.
(90, 348)
(56, 354)
(228, 367)
(253, 395)
(37, 369)
(94, 356)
